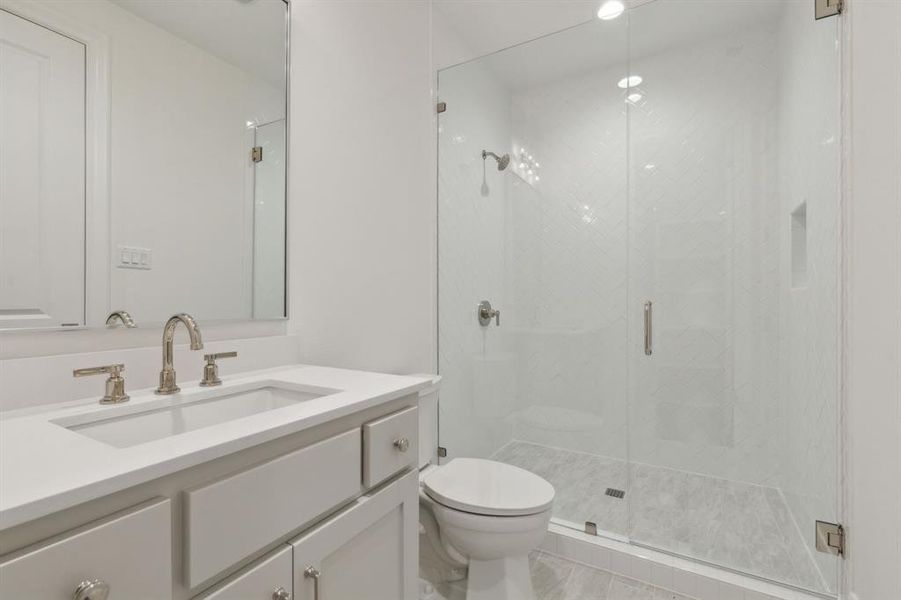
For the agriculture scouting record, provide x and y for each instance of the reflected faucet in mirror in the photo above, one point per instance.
(167, 375)
(123, 317)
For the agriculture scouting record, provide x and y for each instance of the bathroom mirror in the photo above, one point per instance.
(143, 155)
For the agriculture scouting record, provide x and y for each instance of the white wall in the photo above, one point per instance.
(362, 216)
(873, 267)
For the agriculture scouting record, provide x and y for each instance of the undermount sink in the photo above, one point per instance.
(173, 416)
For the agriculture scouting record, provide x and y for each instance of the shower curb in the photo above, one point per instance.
(673, 573)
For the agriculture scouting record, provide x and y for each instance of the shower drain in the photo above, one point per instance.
(615, 493)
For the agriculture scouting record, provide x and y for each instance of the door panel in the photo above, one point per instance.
(42, 166)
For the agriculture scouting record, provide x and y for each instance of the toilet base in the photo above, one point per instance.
(500, 579)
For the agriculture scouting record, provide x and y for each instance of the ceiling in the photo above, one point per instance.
(651, 27)
(249, 34)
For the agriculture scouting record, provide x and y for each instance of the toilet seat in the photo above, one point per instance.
(487, 487)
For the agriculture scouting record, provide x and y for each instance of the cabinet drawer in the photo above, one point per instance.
(130, 551)
(259, 581)
(231, 519)
(384, 452)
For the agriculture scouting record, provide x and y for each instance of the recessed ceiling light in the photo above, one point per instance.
(634, 97)
(630, 82)
(611, 9)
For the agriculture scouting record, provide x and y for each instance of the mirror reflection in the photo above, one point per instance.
(142, 160)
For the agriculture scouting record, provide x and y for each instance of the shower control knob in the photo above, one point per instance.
(486, 313)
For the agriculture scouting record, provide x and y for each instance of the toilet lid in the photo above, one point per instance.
(487, 487)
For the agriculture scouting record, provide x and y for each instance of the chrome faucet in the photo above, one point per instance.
(167, 375)
(120, 315)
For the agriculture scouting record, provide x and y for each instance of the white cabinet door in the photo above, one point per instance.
(368, 550)
(42, 175)
(268, 579)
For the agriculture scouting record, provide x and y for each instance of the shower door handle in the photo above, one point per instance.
(648, 328)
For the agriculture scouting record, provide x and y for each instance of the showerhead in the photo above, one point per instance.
(502, 161)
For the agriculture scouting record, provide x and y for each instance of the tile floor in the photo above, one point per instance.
(555, 578)
(739, 525)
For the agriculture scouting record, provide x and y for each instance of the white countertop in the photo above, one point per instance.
(45, 467)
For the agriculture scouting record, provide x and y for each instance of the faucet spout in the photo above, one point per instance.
(167, 375)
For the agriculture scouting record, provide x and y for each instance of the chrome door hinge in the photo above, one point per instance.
(828, 8)
(256, 154)
(442, 452)
(442, 106)
(591, 528)
(830, 538)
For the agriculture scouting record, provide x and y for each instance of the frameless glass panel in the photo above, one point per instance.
(544, 240)
(734, 205)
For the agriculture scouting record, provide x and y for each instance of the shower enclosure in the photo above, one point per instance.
(663, 251)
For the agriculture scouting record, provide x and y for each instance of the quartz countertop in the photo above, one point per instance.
(46, 468)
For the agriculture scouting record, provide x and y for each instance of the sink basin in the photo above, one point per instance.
(174, 416)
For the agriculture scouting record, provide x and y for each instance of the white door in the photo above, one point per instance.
(370, 550)
(42, 176)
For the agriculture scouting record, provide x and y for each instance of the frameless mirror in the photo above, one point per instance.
(143, 155)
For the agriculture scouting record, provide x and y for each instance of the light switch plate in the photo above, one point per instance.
(132, 257)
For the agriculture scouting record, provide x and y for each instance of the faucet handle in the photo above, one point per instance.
(115, 383)
(211, 369)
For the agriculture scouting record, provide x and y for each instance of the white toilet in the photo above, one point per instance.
(486, 516)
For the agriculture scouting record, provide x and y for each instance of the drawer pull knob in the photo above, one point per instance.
(281, 593)
(91, 589)
(314, 574)
(402, 444)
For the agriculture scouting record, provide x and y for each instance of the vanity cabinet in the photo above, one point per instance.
(368, 550)
(129, 554)
(327, 513)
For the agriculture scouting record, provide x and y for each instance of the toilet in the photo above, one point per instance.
(484, 517)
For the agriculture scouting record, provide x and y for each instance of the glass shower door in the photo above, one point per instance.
(733, 305)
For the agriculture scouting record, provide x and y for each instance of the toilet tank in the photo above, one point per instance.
(428, 422)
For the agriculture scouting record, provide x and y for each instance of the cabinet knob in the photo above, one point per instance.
(281, 593)
(91, 589)
(402, 444)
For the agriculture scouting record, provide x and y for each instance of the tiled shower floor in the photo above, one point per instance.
(737, 525)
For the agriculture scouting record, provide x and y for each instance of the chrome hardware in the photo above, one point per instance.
(591, 528)
(830, 538)
(256, 154)
(648, 328)
(211, 369)
(828, 8)
(442, 452)
(442, 106)
(167, 375)
(91, 589)
(281, 593)
(486, 313)
(314, 574)
(115, 383)
(120, 315)
(402, 444)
